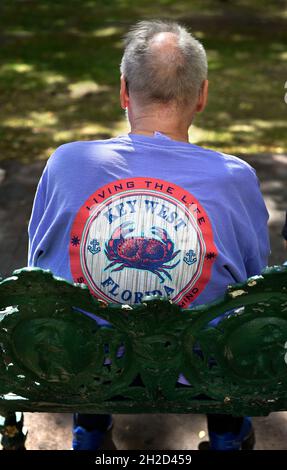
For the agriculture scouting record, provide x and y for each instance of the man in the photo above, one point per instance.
(148, 212)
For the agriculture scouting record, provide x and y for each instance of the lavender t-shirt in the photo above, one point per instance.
(137, 215)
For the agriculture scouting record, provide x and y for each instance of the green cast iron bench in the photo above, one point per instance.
(55, 357)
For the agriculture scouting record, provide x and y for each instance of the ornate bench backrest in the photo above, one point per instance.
(55, 357)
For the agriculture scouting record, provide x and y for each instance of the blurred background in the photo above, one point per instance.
(59, 82)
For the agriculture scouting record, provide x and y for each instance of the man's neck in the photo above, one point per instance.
(165, 123)
(180, 136)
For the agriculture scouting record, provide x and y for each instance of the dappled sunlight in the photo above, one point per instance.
(91, 131)
(260, 124)
(31, 78)
(80, 89)
(248, 136)
(241, 128)
(196, 134)
(34, 119)
(18, 33)
(246, 105)
(16, 67)
(105, 32)
(51, 78)
(255, 124)
(61, 136)
(199, 35)
(121, 127)
(83, 132)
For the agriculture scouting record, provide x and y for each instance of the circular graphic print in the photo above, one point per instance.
(138, 237)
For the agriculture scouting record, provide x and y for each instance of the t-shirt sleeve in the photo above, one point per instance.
(257, 238)
(35, 227)
(50, 216)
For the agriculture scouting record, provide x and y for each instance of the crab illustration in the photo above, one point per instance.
(149, 254)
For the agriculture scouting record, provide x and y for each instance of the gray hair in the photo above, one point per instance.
(154, 75)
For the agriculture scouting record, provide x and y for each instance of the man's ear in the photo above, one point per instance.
(202, 99)
(124, 94)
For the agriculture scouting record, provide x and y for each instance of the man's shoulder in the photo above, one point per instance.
(78, 150)
(75, 146)
(235, 162)
(229, 164)
(224, 158)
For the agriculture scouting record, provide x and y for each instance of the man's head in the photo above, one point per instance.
(163, 64)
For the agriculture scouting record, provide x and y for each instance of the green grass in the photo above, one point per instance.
(59, 72)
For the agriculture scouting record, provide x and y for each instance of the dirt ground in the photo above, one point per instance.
(53, 431)
(160, 432)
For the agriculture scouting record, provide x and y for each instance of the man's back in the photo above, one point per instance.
(138, 215)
